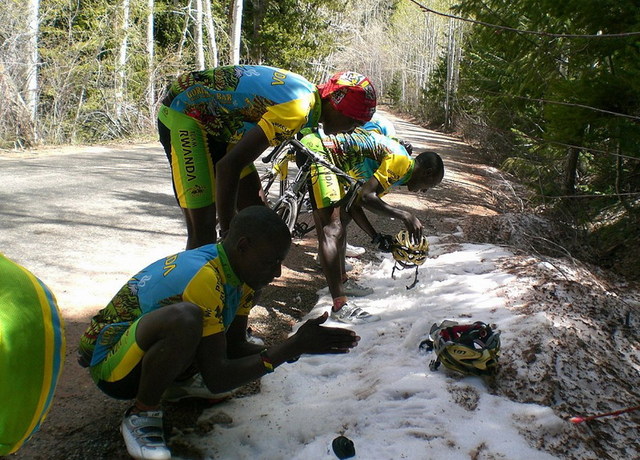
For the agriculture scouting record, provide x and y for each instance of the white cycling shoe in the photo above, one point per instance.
(351, 314)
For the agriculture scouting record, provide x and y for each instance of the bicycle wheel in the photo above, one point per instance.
(287, 209)
(266, 181)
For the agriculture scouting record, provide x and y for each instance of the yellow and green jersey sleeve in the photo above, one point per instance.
(32, 347)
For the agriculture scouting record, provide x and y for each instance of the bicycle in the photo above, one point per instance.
(293, 203)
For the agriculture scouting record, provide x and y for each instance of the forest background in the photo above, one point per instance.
(547, 91)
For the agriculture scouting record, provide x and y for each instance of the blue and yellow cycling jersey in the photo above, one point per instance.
(364, 154)
(229, 100)
(381, 125)
(201, 276)
(361, 154)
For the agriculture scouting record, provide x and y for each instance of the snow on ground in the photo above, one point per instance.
(382, 395)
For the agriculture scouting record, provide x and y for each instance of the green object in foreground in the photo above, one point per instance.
(32, 346)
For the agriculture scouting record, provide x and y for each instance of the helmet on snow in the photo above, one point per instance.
(465, 348)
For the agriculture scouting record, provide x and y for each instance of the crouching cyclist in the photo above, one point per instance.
(182, 322)
(383, 163)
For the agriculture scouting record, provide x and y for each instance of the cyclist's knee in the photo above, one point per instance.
(333, 228)
(184, 320)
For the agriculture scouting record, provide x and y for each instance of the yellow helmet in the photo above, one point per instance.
(406, 252)
(466, 348)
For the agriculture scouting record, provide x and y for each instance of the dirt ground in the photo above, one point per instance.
(83, 423)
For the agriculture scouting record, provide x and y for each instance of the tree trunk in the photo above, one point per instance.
(199, 39)
(122, 61)
(151, 87)
(211, 34)
(185, 29)
(236, 28)
(17, 108)
(570, 171)
(32, 65)
(452, 75)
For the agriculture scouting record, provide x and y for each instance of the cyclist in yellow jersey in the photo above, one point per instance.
(214, 123)
(382, 163)
(178, 327)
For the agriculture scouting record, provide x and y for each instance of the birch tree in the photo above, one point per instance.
(236, 30)
(198, 36)
(121, 71)
(211, 34)
(151, 86)
(32, 64)
(185, 29)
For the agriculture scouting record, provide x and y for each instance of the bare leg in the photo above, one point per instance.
(170, 337)
(331, 244)
(201, 226)
(250, 191)
(344, 222)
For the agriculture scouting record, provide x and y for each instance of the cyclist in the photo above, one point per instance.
(383, 163)
(381, 125)
(182, 320)
(214, 123)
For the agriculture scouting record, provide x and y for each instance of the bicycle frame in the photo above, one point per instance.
(290, 202)
(312, 157)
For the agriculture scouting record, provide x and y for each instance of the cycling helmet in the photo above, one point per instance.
(408, 254)
(465, 348)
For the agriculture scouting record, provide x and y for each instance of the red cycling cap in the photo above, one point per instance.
(351, 94)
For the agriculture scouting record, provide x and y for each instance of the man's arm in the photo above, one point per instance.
(360, 218)
(237, 345)
(370, 200)
(221, 373)
(228, 170)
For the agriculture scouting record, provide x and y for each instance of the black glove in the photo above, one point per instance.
(407, 145)
(384, 242)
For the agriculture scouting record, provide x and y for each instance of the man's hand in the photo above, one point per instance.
(316, 339)
(414, 227)
(407, 145)
(383, 242)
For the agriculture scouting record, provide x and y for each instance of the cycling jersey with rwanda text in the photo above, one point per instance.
(364, 154)
(201, 276)
(229, 100)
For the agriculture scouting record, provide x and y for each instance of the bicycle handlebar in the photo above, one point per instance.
(274, 152)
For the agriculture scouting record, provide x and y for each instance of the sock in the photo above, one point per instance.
(339, 302)
(141, 407)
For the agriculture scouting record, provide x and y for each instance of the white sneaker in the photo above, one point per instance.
(354, 251)
(193, 388)
(353, 315)
(143, 435)
(353, 289)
